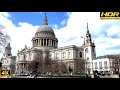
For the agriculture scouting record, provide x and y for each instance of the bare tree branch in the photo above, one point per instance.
(4, 38)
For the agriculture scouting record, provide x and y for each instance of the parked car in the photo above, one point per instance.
(103, 74)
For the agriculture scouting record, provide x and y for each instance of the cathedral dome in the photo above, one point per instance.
(45, 28)
(45, 37)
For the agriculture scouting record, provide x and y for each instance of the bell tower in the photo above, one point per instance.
(8, 50)
(89, 49)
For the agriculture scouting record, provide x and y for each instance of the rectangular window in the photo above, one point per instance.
(63, 54)
(100, 65)
(105, 65)
(96, 67)
(56, 56)
(68, 54)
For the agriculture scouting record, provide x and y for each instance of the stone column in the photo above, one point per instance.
(35, 42)
(20, 68)
(68, 54)
(43, 42)
(49, 42)
(54, 43)
(40, 42)
(23, 67)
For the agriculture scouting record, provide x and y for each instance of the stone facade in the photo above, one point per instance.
(45, 39)
(8, 61)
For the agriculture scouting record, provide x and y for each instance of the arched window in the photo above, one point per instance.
(86, 50)
(87, 58)
(80, 54)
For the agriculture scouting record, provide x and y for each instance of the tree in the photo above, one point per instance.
(12, 68)
(33, 65)
(4, 38)
(115, 63)
(63, 67)
(47, 62)
(54, 67)
(81, 66)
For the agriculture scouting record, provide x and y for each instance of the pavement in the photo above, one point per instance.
(106, 76)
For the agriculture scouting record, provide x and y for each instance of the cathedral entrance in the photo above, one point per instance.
(22, 68)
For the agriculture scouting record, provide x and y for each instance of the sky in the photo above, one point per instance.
(68, 27)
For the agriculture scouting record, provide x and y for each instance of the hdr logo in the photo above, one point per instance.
(110, 15)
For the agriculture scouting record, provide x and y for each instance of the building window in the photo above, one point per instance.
(105, 64)
(42, 42)
(8, 54)
(96, 67)
(63, 54)
(87, 58)
(56, 56)
(24, 57)
(80, 54)
(100, 65)
(86, 50)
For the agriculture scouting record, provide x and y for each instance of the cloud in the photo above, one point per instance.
(105, 33)
(63, 22)
(68, 13)
(5, 14)
(55, 26)
(102, 32)
(20, 35)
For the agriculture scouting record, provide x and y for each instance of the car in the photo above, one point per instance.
(103, 74)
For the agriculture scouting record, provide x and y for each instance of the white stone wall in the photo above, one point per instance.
(101, 60)
(8, 61)
(69, 53)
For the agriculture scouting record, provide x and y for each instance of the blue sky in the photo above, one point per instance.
(36, 18)
(68, 27)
